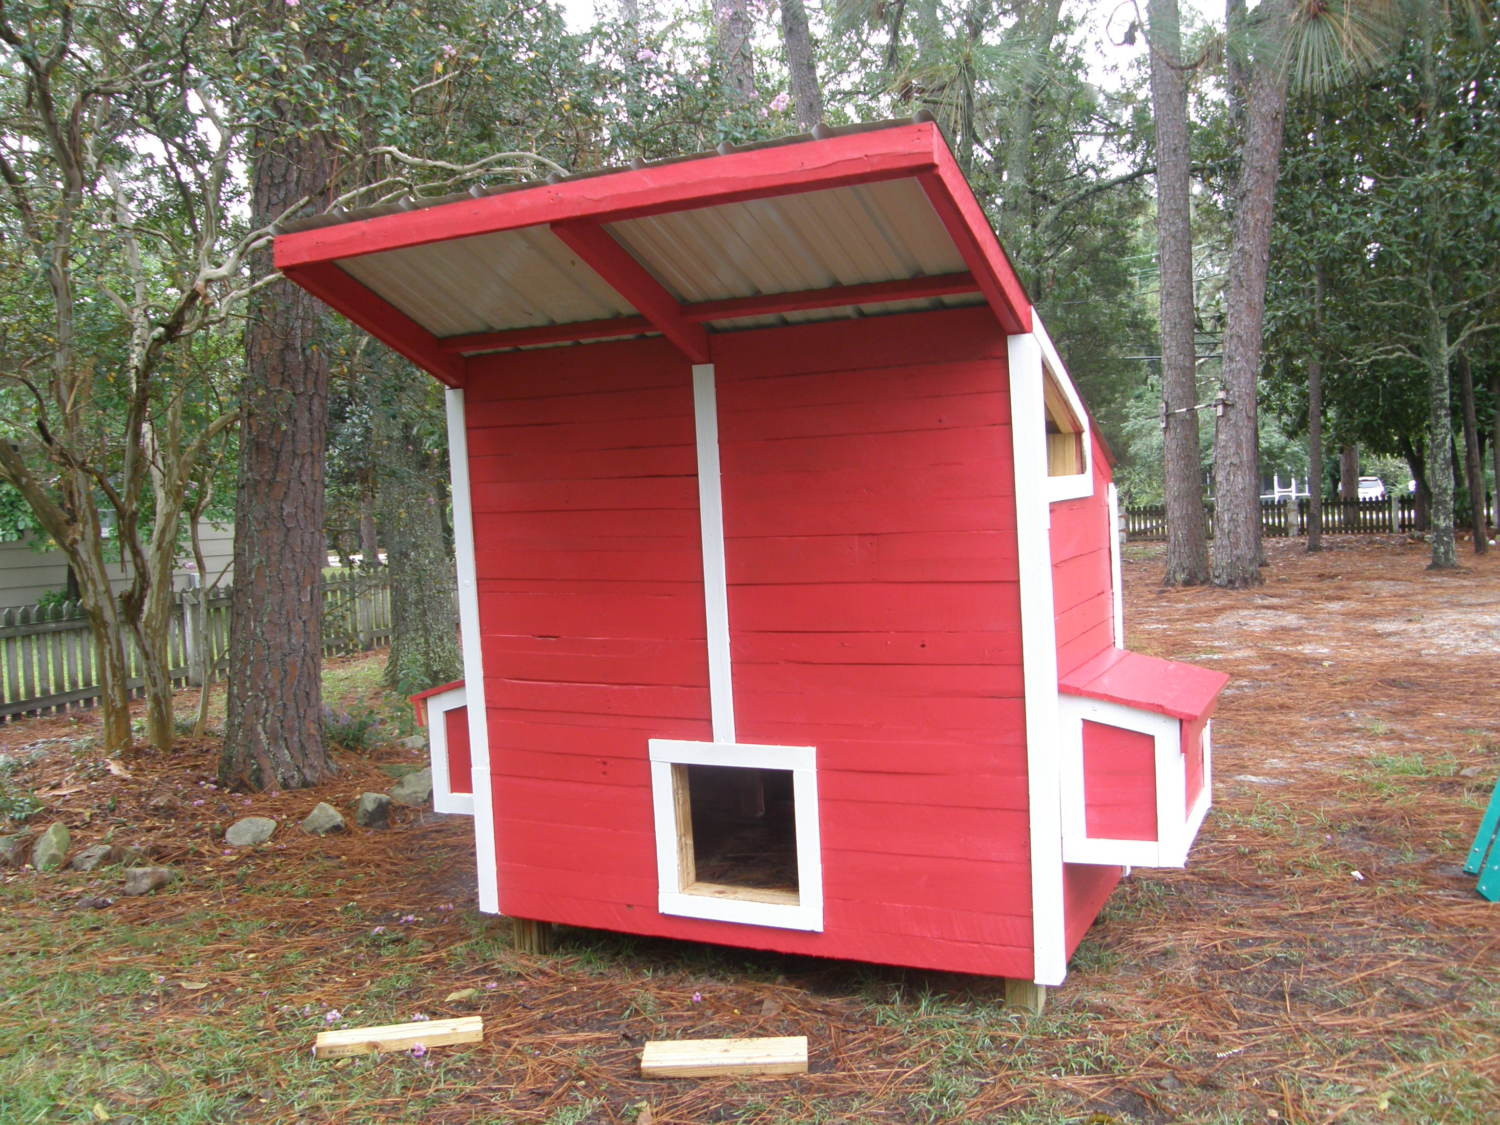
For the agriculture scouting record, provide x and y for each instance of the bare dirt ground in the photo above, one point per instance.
(1321, 959)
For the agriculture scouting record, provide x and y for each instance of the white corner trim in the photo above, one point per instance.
(1116, 573)
(1075, 485)
(1176, 826)
(711, 528)
(1028, 418)
(436, 708)
(468, 620)
(801, 762)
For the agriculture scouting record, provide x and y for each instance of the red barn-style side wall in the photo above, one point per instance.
(1083, 605)
(873, 605)
(1083, 601)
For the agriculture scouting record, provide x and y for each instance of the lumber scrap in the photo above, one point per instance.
(707, 1058)
(398, 1036)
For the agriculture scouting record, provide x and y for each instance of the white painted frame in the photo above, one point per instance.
(801, 763)
(711, 531)
(1116, 574)
(1074, 486)
(468, 619)
(1176, 828)
(1028, 415)
(435, 710)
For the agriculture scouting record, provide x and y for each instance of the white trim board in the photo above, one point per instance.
(1176, 826)
(1116, 574)
(435, 709)
(711, 530)
(673, 898)
(468, 620)
(1028, 419)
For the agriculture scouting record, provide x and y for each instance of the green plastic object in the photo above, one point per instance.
(1484, 856)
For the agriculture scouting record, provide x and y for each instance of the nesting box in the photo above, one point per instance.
(788, 565)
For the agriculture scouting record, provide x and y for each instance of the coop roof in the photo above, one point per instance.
(842, 224)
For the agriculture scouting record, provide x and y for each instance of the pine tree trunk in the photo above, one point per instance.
(1016, 216)
(736, 59)
(1473, 455)
(1439, 442)
(1187, 531)
(801, 63)
(1315, 420)
(273, 732)
(1495, 434)
(1349, 472)
(1236, 546)
(424, 632)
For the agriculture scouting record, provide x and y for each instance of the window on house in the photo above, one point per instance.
(1065, 432)
(737, 832)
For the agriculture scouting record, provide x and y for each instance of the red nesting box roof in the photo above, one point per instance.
(841, 225)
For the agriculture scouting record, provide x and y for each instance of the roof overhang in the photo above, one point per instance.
(849, 223)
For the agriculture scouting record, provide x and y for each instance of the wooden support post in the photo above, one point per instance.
(532, 937)
(1025, 995)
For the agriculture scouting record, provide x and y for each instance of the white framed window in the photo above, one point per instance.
(1069, 447)
(737, 832)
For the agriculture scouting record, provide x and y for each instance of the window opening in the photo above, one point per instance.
(737, 832)
(1064, 432)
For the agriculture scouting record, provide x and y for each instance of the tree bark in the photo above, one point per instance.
(1187, 531)
(1236, 546)
(1016, 217)
(732, 25)
(1495, 434)
(424, 632)
(1315, 419)
(1349, 472)
(801, 63)
(273, 732)
(1473, 455)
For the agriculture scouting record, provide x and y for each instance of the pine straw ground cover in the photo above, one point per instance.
(1322, 959)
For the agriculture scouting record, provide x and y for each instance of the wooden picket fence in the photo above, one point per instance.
(47, 660)
(1281, 519)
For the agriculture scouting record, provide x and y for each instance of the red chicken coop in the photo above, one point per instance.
(788, 571)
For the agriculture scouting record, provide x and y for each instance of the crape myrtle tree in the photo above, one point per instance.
(118, 246)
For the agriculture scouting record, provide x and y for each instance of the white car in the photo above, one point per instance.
(1371, 488)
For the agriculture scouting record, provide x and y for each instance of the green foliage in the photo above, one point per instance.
(357, 729)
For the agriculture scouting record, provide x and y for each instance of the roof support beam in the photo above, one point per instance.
(615, 265)
(969, 228)
(734, 308)
(871, 293)
(380, 318)
(546, 334)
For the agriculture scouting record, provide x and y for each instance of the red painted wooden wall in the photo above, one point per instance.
(460, 765)
(869, 519)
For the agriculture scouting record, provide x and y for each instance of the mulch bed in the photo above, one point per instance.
(1321, 958)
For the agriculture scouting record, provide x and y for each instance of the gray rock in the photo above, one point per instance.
(95, 855)
(323, 820)
(414, 789)
(250, 831)
(12, 851)
(51, 848)
(373, 811)
(144, 880)
(415, 742)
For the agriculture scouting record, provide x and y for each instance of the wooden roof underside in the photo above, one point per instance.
(864, 222)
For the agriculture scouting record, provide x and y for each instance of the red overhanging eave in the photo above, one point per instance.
(866, 157)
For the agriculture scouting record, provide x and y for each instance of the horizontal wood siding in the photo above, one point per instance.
(1081, 582)
(872, 571)
(869, 520)
(583, 472)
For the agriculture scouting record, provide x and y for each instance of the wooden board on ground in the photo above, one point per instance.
(707, 1058)
(398, 1036)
